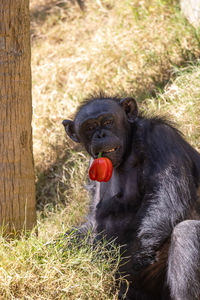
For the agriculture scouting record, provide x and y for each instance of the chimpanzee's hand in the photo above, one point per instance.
(143, 255)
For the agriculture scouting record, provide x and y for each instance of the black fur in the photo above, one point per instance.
(155, 187)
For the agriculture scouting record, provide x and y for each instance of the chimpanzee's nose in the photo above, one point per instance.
(100, 134)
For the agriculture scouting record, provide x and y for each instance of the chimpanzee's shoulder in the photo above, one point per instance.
(162, 139)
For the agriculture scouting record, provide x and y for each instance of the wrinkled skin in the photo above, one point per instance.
(151, 204)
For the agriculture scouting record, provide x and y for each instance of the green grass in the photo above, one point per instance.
(144, 49)
(31, 269)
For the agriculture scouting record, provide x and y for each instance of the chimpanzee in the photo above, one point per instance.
(151, 205)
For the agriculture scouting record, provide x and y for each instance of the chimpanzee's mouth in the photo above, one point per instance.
(106, 152)
(111, 150)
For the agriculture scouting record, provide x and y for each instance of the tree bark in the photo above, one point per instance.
(17, 181)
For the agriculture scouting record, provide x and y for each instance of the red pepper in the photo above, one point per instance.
(101, 169)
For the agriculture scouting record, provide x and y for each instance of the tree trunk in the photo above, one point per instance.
(17, 182)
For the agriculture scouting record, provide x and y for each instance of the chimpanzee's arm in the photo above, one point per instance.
(169, 193)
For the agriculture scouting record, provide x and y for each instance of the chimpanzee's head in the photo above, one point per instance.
(103, 125)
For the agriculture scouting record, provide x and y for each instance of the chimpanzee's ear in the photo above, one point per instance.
(130, 107)
(69, 128)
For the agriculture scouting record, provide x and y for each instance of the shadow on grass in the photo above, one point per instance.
(157, 83)
(54, 182)
(40, 13)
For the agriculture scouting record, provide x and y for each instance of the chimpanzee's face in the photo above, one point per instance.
(101, 126)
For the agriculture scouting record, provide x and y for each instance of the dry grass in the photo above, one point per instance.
(127, 47)
(180, 101)
(32, 270)
(120, 47)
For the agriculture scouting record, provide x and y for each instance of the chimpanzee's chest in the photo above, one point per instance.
(123, 182)
(119, 202)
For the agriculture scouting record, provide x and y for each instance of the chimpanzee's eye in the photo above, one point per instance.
(108, 123)
(91, 127)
